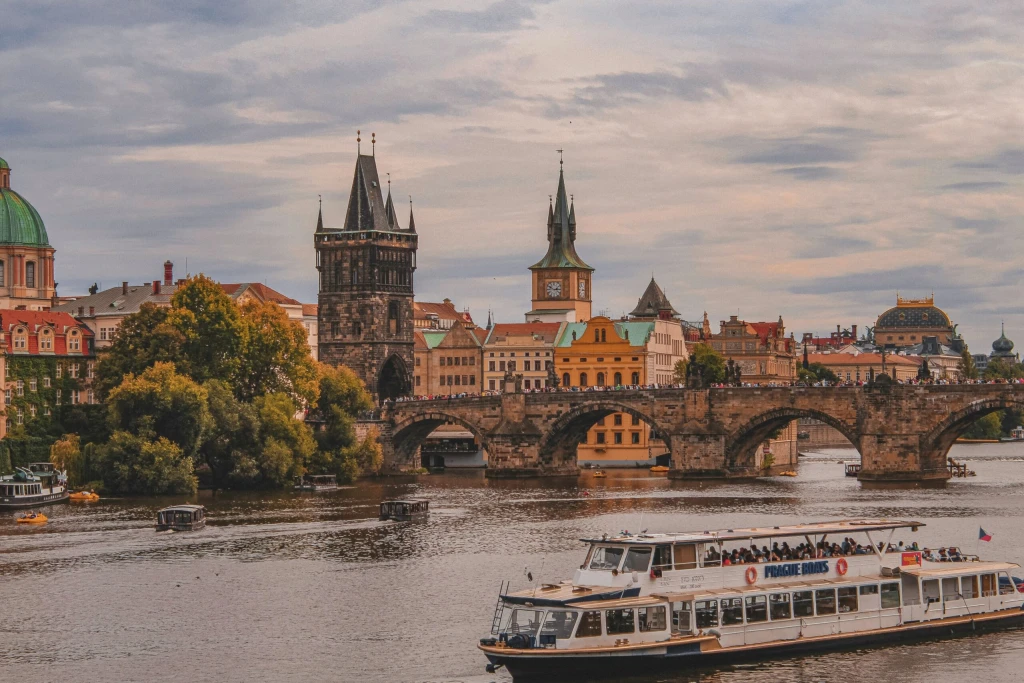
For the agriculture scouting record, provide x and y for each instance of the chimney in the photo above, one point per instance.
(156, 286)
(124, 287)
(854, 329)
(168, 273)
(92, 310)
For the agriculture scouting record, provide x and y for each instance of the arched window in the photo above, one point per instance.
(565, 379)
(618, 379)
(636, 378)
(597, 335)
(394, 319)
(46, 340)
(600, 379)
(30, 274)
(74, 342)
(583, 379)
(602, 336)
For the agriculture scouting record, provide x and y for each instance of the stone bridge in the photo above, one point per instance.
(903, 432)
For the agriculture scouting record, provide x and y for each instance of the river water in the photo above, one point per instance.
(311, 587)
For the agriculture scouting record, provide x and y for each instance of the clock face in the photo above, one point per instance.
(583, 289)
(554, 289)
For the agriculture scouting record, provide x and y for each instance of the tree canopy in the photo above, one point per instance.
(704, 367)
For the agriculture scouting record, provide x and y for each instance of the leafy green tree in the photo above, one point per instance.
(679, 372)
(988, 427)
(816, 372)
(210, 323)
(706, 365)
(233, 433)
(161, 402)
(968, 370)
(275, 355)
(282, 448)
(139, 464)
(998, 368)
(342, 398)
(66, 454)
(142, 339)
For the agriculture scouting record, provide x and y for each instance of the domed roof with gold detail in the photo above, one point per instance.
(914, 313)
(1002, 346)
(20, 223)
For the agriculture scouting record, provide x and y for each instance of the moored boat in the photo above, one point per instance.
(671, 602)
(86, 496)
(316, 482)
(38, 484)
(181, 518)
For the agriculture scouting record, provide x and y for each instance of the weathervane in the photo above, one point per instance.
(358, 140)
(559, 156)
(373, 144)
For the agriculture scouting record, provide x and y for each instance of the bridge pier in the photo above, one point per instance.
(898, 458)
(702, 456)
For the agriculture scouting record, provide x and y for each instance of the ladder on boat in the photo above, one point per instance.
(499, 607)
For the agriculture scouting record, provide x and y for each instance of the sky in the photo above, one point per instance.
(757, 157)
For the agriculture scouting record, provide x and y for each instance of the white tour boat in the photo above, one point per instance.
(652, 603)
(38, 484)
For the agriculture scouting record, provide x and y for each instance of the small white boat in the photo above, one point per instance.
(316, 482)
(673, 602)
(181, 518)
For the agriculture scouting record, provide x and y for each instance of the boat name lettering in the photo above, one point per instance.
(796, 569)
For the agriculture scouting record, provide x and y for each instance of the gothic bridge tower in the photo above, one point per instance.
(365, 311)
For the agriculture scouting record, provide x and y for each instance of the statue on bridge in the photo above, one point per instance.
(553, 380)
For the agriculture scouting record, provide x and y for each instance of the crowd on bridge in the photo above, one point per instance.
(649, 387)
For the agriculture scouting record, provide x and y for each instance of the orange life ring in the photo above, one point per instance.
(841, 566)
(751, 574)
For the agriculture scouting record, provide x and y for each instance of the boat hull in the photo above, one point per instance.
(21, 502)
(688, 656)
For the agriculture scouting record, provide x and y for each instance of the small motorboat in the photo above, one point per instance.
(787, 473)
(660, 469)
(407, 510)
(32, 518)
(84, 496)
(600, 474)
(181, 518)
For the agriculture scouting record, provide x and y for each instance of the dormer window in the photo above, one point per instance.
(20, 339)
(46, 340)
(74, 341)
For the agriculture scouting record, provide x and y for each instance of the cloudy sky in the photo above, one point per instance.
(760, 158)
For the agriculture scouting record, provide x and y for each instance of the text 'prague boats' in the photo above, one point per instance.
(657, 602)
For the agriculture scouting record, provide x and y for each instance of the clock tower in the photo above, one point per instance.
(561, 280)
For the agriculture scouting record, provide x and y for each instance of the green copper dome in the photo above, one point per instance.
(20, 223)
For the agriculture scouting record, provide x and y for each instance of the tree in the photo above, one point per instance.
(998, 368)
(968, 370)
(274, 356)
(679, 372)
(142, 339)
(816, 372)
(161, 402)
(233, 433)
(141, 465)
(342, 398)
(66, 454)
(705, 366)
(210, 323)
(988, 427)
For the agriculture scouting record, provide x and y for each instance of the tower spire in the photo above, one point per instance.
(412, 221)
(320, 215)
(359, 141)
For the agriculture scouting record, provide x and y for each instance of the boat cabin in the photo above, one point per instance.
(316, 482)
(181, 518)
(404, 510)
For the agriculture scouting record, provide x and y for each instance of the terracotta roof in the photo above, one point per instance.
(35, 321)
(261, 291)
(501, 331)
(480, 333)
(309, 309)
(862, 359)
(418, 342)
(444, 311)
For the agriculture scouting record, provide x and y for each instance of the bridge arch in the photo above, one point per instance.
(935, 444)
(408, 435)
(558, 446)
(741, 443)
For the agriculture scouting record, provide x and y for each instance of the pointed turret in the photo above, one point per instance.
(320, 217)
(561, 233)
(366, 203)
(654, 304)
(412, 221)
(389, 211)
(490, 322)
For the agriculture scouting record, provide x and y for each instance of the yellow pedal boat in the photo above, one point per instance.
(599, 475)
(32, 518)
(659, 469)
(84, 495)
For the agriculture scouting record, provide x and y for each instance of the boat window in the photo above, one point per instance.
(706, 612)
(662, 557)
(930, 590)
(590, 625)
(825, 601)
(969, 586)
(559, 624)
(712, 558)
(871, 589)
(606, 557)
(732, 611)
(686, 556)
(848, 599)
(890, 595)
(757, 608)
(680, 616)
(803, 604)
(1005, 585)
(651, 618)
(988, 585)
(525, 621)
(780, 606)
(637, 560)
(619, 621)
(950, 589)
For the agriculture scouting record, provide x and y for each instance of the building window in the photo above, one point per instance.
(618, 379)
(600, 437)
(20, 340)
(565, 379)
(618, 437)
(490, 384)
(73, 371)
(618, 419)
(74, 342)
(46, 382)
(32, 384)
(30, 274)
(21, 388)
(417, 361)
(417, 380)
(59, 392)
(536, 366)
(636, 378)
(46, 340)
(635, 437)
(600, 379)
(512, 366)
(583, 379)
(89, 396)
(490, 365)
(21, 417)
(526, 384)
(7, 396)
(74, 397)
(32, 410)
(46, 411)
(501, 366)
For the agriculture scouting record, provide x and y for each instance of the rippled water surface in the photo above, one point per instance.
(304, 587)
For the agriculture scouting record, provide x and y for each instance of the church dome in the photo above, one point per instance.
(1002, 346)
(913, 316)
(20, 223)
